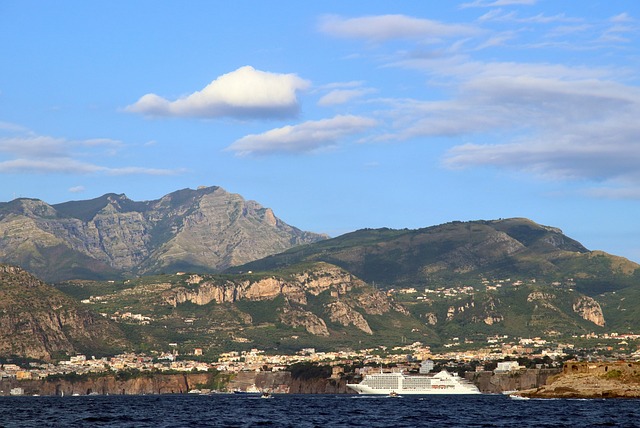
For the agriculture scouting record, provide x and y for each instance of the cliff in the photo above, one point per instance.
(349, 299)
(111, 385)
(278, 382)
(497, 383)
(591, 380)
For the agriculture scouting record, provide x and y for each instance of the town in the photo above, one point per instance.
(498, 354)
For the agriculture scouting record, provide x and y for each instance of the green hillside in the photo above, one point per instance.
(462, 252)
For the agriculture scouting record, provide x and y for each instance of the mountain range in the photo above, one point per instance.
(207, 229)
(204, 268)
(462, 252)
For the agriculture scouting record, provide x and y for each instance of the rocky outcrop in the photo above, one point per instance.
(296, 317)
(497, 383)
(539, 295)
(591, 380)
(350, 298)
(431, 318)
(589, 309)
(343, 314)
(38, 321)
(313, 281)
(207, 228)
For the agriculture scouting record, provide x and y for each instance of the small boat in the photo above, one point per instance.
(394, 394)
(251, 390)
(266, 395)
(517, 397)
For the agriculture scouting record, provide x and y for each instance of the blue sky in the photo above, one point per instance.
(338, 115)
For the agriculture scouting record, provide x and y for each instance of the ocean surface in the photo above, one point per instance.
(222, 410)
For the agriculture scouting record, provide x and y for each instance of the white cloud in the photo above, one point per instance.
(306, 137)
(342, 96)
(243, 93)
(498, 15)
(552, 120)
(387, 27)
(77, 189)
(575, 129)
(66, 165)
(623, 17)
(342, 85)
(41, 154)
(496, 3)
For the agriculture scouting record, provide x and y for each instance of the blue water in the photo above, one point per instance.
(313, 411)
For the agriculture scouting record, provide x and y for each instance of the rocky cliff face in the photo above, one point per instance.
(591, 380)
(497, 383)
(589, 309)
(321, 277)
(110, 385)
(37, 321)
(208, 229)
(344, 308)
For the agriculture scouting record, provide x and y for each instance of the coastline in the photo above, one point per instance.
(590, 380)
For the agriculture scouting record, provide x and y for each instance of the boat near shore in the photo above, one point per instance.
(251, 390)
(400, 383)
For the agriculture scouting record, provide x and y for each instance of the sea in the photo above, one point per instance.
(290, 410)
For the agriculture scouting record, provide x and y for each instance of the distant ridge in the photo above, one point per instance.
(455, 252)
(207, 230)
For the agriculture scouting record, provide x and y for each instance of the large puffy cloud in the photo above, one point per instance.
(243, 93)
(305, 137)
(387, 27)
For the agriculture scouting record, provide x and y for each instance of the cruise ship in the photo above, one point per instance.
(399, 383)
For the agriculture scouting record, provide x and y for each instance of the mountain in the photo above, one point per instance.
(310, 305)
(461, 252)
(206, 230)
(320, 305)
(446, 286)
(37, 321)
(478, 278)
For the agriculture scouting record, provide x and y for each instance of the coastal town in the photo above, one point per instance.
(501, 354)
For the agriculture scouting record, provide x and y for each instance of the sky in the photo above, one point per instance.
(338, 115)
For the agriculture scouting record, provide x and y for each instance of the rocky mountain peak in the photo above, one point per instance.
(207, 229)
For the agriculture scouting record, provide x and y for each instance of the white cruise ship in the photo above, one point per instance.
(440, 383)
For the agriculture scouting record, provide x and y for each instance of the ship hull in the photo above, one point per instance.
(365, 390)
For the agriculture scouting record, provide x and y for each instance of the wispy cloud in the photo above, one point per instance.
(388, 27)
(41, 154)
(622, 17)
(497, 15)
(343, 96)
(555, 121)
(243, 93)
(77, 189)
(497, 3)
(306, 137)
